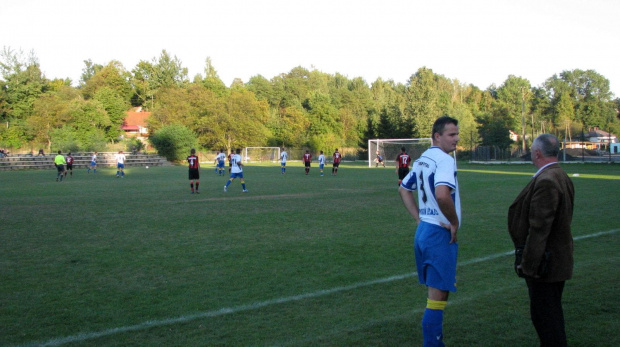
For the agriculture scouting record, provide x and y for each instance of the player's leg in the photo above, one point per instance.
(243, 184)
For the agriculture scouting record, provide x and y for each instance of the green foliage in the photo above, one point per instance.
(174, 141)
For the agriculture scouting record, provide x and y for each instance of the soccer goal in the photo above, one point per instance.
(390, 148)
(261, 154)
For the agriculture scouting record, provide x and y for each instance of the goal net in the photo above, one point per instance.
(261, 154)
(390, 148)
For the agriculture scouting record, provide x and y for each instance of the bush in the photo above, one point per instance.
(174, 141)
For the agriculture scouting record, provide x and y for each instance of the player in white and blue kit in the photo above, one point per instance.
(438, 213)
(220, 160)
(236, 171)
(321, 162)
(283, 157)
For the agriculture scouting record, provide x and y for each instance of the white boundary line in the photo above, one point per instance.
(236, 309)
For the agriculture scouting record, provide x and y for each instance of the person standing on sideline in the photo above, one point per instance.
(220, 159)
(321, 163)
(539, 224)
(194, 172)
(60, 162)
(438, 215)
(283, 157)
(69, 160)
(336, 163)
(120, 164)
(402, 164)
(307, 159)
(236, 171)
(93, 163)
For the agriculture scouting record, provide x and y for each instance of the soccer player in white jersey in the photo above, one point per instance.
(220, 159)
(93, 163)
(438, 214)
(236, 171)
(120, 164)
(283, 157)
(321, 162)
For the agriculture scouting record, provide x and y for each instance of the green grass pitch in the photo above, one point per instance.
(298, 261)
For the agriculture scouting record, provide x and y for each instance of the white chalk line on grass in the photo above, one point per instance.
(242, 308)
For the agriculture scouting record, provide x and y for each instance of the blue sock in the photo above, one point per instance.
(432, 323)
(228, 183)
(243, 185)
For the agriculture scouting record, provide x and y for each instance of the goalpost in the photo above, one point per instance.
(390, 148)
(261, 154)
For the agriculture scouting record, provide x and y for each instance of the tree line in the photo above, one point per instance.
(301, 108)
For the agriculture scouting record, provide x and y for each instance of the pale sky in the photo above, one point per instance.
(480, 42)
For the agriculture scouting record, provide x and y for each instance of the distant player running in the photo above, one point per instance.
(93, 163)
(236, 171)
(69, 160)
(337, 157)
(194, 171)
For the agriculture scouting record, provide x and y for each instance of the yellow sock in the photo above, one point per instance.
(435, 304)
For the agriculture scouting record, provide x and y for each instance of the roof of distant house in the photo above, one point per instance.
(135, 119)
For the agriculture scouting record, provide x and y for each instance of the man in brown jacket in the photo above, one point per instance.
(539, 224)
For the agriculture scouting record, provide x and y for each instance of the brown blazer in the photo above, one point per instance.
(539, 220)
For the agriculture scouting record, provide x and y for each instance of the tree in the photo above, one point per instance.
(174, 141)
(422, 102)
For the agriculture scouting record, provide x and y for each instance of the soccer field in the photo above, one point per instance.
(298, 261)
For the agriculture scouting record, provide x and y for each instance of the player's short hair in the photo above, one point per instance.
(238, 150)
(59, 151)
(440, 124)
(193, 151)
(547, 144)
(403, 148)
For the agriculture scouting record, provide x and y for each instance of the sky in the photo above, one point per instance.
(479, 42)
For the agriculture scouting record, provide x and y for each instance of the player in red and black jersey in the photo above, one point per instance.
(307, 159)
(69, 160)
(403, 160)
(194, 172)
(337, 156)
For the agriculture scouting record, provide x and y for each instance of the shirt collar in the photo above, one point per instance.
(544, 167)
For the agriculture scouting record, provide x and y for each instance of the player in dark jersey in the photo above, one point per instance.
(307, 159)
(69, 160)
(337, 156)
(403, 160)
(194, 172)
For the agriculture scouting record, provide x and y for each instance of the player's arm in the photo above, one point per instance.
(410, 204)
(446, 205)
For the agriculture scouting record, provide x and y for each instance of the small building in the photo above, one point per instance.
(599, 139)
(135, 124)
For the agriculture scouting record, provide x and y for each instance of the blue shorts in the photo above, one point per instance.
(120, 166)
(283, 163)
(321, 166)
(93, 163)
(435, 257)
(220, 164)
(236, 175)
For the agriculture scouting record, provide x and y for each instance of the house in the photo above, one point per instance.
(599, 138)
(135, 124)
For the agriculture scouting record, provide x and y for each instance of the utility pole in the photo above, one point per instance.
(523, 119)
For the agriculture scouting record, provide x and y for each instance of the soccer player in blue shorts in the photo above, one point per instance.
(438, 214)
(283, 157)
(236, 171)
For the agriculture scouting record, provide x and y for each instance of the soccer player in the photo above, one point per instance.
(194, 172)
(438, 214)
(220, 159)
(93, 163)
(236, 171)
(321, 162)
(120, 164)
(283, 157)
(307, 159)
(336, 163)
(69, 160)
(379, 160)
(402, 164)
(232, 154)
(60, 162)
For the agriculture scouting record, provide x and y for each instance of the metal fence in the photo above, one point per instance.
(490, 154)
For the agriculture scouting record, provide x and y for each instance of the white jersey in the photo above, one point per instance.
(221, 156)
(283, 157)
(321, 159)
(94, 158)
(236, 164)
(434, 168)
(120, 158)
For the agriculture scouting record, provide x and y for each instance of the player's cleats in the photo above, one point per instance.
(245, 190)
(225, 189)
(197, 192)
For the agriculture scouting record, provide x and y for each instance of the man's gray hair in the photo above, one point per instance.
(548, 145)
